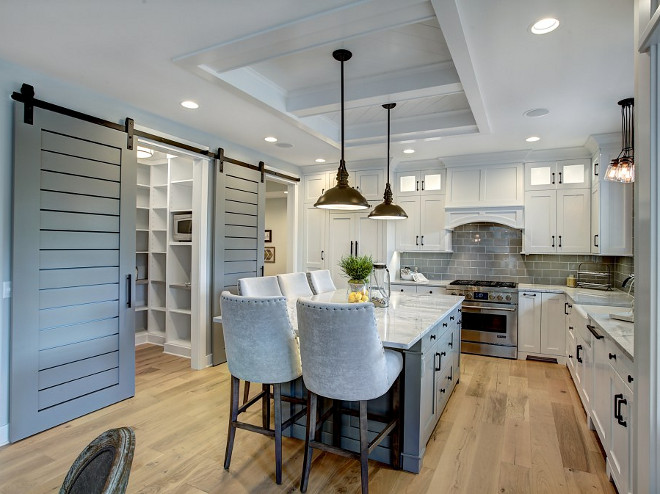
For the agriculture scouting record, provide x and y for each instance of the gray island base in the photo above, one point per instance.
(427, 330)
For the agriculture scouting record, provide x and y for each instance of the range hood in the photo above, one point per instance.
(511, 216)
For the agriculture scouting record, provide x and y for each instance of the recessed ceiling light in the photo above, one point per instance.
(319, 160)
(144, 153)
(409, 151)
(544, 26)
(189, 104)
(284, 145)
(270, 139)
(533, 139)
(536, 112)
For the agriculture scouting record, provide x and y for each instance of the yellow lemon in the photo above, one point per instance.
(365, 298)
(351, 297)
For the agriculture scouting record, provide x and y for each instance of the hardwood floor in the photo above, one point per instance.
(510, 427)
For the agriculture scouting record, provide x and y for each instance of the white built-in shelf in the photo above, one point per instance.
(141, 229)
(158, 281)
(158, 230)
(141, 281)
(141, 251)
(160, 309)
(185, 210)
(189, 244)
(142, 207)
(182, 311)
(183, 286)
(143, 186)
(159, 208)
(159, 186)
(187, 182)
(140, 308)
(158, 252)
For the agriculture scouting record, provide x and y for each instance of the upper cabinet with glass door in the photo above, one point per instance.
(418, 182)
(568, 174)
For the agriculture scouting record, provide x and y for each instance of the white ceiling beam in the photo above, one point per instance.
(449, 18)
(431, 80)
(332, 26)
(433, 124)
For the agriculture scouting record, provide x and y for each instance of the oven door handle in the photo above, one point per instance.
(488, 308)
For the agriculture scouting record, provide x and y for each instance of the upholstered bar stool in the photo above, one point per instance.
(264, 286)
(343, 359)
(261, 347)
(294, 285)
(321, 281)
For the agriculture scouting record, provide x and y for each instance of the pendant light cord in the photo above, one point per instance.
(343, 163)
(388, 145)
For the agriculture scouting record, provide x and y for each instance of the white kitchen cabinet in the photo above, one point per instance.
(557, 175)
(612, 219)
(370, 183)
(314, 238)
(602, 398)
(529, 322)
(583, 359)
(541, 324)
(314, 185)
(419, 182)
(557, 221)
(425, 227)
(420, 289)
(353, 234)
(619, 453)
(490, 186)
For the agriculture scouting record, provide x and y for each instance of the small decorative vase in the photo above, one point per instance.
(357, 291)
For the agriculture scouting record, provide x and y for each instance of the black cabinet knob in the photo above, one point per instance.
(444, 324)
(433, 337)
(612, 356)
(451, 318)
(442, 390)
(630, 378)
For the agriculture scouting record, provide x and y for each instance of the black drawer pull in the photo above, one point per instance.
(451, 318)
(442, 390)
(612, 356)
(579, 359)
(630, 378)
(444, 324)
(597, 335)
(433, 337)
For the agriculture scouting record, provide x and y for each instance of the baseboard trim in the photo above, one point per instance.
(4, 435)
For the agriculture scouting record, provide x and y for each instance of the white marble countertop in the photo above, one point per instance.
(441, 283)
(403, 323)
(622, 333)
(583, 296)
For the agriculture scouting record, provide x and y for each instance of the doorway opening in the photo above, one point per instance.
(280, 235)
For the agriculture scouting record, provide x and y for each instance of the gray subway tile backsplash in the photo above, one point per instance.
(492, 251)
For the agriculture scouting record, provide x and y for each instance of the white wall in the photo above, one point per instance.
(81, 99)
(276, 221)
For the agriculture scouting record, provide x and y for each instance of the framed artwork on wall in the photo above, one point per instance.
(268, 237)
(269, 254)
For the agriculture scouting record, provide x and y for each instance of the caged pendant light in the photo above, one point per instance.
(622, 168)
(387, 210)
(342, 196)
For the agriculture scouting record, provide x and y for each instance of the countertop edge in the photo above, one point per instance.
(610, 336)
(421, 335)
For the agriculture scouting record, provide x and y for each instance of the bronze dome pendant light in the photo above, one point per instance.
(342, 196)
(387, 210)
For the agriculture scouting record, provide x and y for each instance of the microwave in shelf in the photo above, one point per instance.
(182, 227)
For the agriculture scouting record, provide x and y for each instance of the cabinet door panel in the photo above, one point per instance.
(370, 183)
(620, 450)
(540, 221)
(529, 322)
(341, 242)
(595, 221)
(314, 226)
(432, 222)
(408, 231)
(553, 323)
(540, 176)
(369, 234)
(431, 181)
(314, 186)
(464, 186)
(407, 184)
(600, 402)
(573, 221)
(573, 174)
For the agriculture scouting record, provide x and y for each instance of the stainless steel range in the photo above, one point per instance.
(490, 317)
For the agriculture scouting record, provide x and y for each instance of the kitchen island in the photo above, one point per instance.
(426, 329)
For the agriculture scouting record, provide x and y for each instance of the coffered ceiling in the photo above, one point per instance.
(462, 72)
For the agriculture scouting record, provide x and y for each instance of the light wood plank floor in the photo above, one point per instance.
(510, 427)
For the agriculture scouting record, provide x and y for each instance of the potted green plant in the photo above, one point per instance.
(357, 269)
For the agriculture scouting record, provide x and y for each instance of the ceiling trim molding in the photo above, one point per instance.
(449, 18)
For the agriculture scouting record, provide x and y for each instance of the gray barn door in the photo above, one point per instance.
(72, 338)
(240, 203)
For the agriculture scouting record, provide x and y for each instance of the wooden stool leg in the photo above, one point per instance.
(336, 423)
(364, 448)
(277, 399)
(265, 406)
(246, 392)
(233, 416)
(395, 435)
(309, 436)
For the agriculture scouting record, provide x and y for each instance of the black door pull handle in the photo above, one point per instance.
(553, 241)
(577, 353)
(129, 291)
(351, 248)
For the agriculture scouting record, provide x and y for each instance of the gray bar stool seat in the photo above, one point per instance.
(343, 359)
(261, 347)
(321, 281)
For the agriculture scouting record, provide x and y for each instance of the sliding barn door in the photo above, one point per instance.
(72, 337)
(240, 212)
